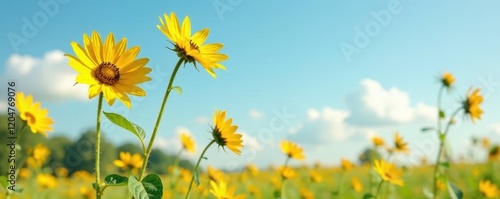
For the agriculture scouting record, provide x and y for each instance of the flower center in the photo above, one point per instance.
(194, 46)
(30, 118)
(217, 134)
(107, 73)
(388, 175)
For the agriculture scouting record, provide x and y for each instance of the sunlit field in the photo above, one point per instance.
(138, 101)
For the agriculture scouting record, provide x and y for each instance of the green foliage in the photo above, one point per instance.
(150, 187)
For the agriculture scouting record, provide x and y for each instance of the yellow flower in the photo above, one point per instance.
(109, 68)
(221, 191)
(488, 189)
(447, 79)
(287, 172)
(494, 153)
(377, 141)
(356, 185)
(400, 144)
(185, 175)
(485, 143)
(83, 175)
(87, 192)
(306, 193)
(24, 173)
(128, 161)
(224, 133)
(62, 172)
(471, 105)
(188, 143)
(46, 181)
(315, 176)
(252, 169)
(38, 156)
(215, 174)
(346, 165)
(292, 150)
(389, 172)
(35, 117)
(192, 48)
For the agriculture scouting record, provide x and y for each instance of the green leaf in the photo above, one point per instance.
(196, 177)
(115, 180)
(3, 182)
(454, 191)
(127, 125)
(151, 187)
(442, 114)
(368, 196)
(177, 89)
(426, 129)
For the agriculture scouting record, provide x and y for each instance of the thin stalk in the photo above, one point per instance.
(197, 166)
(158, 120)
(378, 189)
(98, 192)
(442, 137)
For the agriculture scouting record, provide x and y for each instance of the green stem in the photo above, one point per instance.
(442, 138)
(160, 114)
(439, 109)
(283, 177)
(98, 192)
(378, 189)
(20, 132)
(196, 168)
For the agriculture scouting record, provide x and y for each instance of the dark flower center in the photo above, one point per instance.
(107, 73)
(30, 118)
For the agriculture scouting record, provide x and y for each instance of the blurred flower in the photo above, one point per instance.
(485, 143)
(356, 185)
(221, 191)
(128, 161)
(306, 193)
(346, 165)
(471, 105)
(488, 189)
(276, 182)
(109, 68)
(24, 173)
(252, 169)
(315, 176)
(287, 172)
(292, 150)
(185, 174)
(224, 132)
(389, 172)
(62, 172)
(87, 192)
(317, 164)
(188, 143)
(192, 48)
(167, 193)
(38, 156)
(83, 175)
(46, 181)
(399, 144)
(378, 141)
(35, 117)
(447, 79)
(215, 174)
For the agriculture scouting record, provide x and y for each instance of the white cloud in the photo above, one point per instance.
(322, 126)
(255, 114)
(173, 144)
(202, 120)
(372, 105)
(48, 78)
(250, 141)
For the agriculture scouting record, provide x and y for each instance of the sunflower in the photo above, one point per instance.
(389, 172)
(215, 174)
(447, 79)
(306, 194)
(252, 169)
(471, 105)
(377, 141)
(128, 161)
(188, 143)
(109, 68)
(38, 156)
(488, 189)
(191, 48)
(224, 132)
(399, 144)
(46, 181)
(346, 165)
(35, 117)
(292, 150)
(286, 172)
(315, 176)
(356, 185)
(221, 191)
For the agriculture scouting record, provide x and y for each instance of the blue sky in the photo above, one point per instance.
(282, 56)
